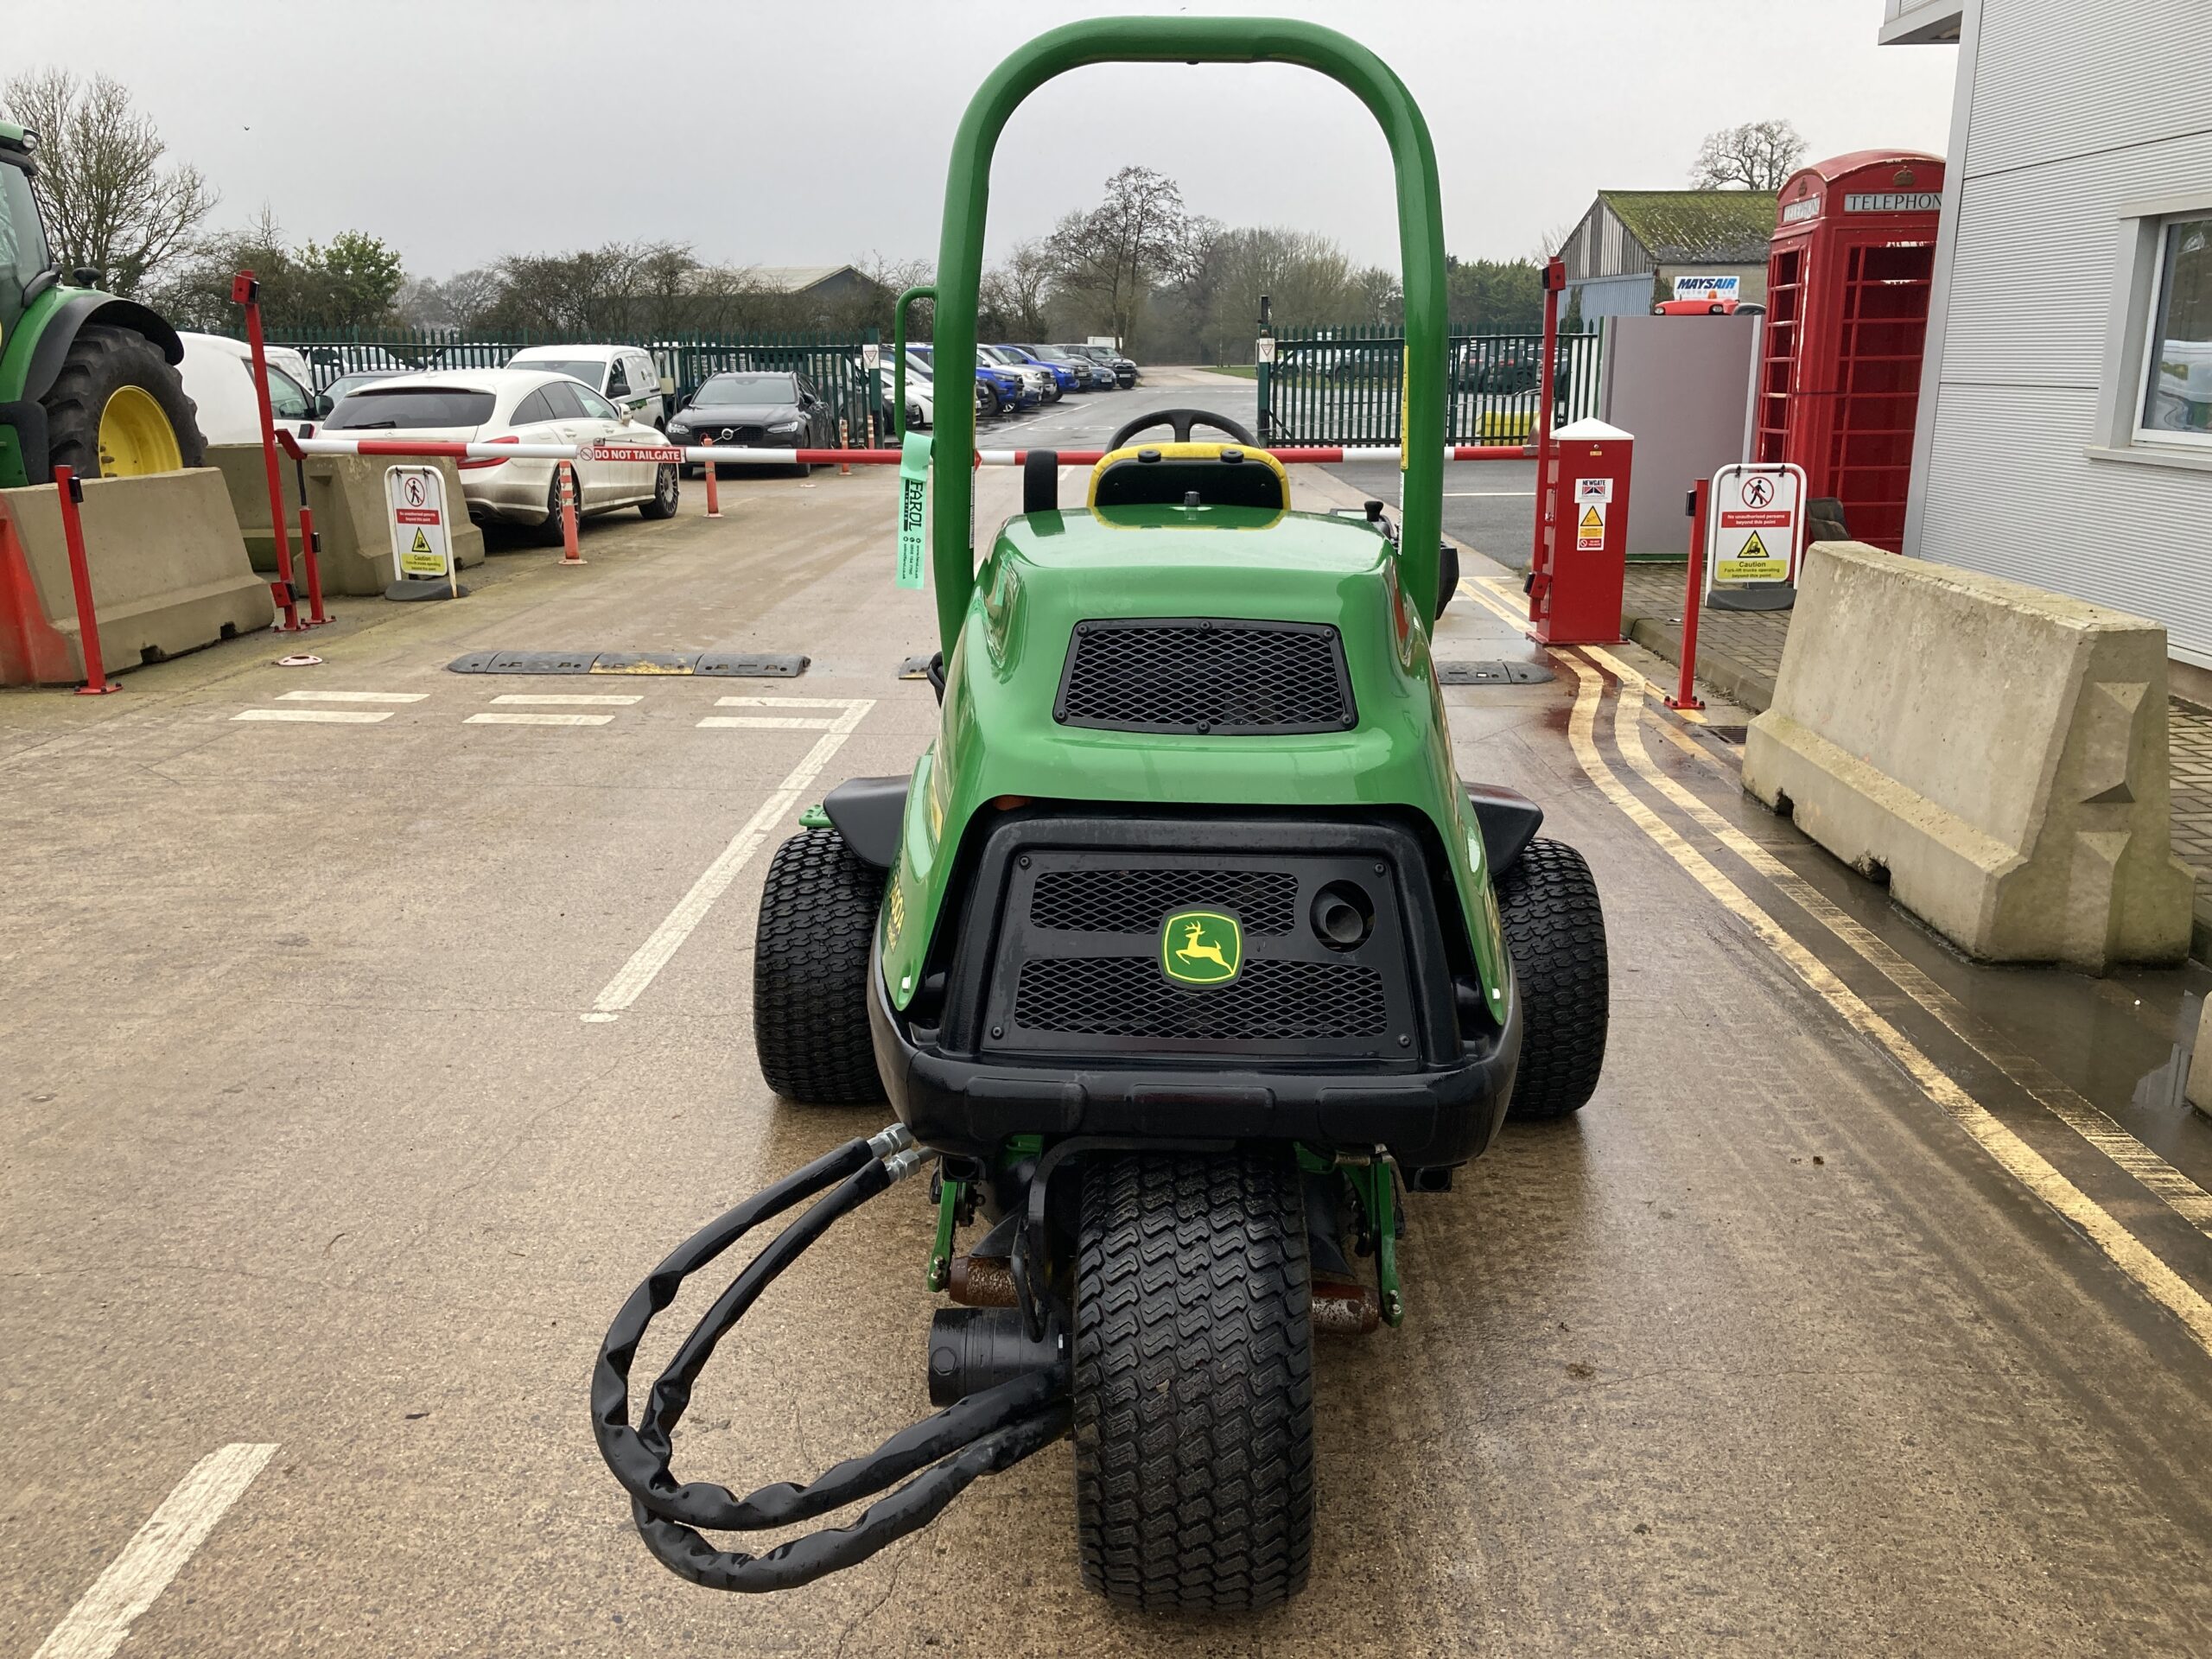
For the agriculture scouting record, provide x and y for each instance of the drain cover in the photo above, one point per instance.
(1491, 673)
(726, 665)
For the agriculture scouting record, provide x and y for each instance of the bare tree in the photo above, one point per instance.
(109, 202)
(1112, 255)
(1757, 156)
(1013, 292)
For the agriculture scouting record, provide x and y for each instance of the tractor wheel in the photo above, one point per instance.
(664, 495)
(1194, 1382)
(1556, 933)
(117, 409)
(810, 973)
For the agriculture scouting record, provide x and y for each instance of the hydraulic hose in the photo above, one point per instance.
(980, 1434)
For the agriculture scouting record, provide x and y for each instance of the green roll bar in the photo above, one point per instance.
(919, 291)
(1194, 39)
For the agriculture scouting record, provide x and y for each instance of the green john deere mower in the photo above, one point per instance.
(1183, 955)
(87, 380)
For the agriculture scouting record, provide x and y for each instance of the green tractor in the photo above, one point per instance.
(1184, 956)
(87, 380)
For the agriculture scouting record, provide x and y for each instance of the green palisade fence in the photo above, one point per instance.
(1340, 385)
(831, 362)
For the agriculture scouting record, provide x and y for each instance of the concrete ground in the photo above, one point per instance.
(1864, 1310)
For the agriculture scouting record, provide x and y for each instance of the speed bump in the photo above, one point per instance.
(708, 664)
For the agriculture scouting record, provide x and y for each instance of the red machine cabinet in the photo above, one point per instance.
(1581, 560)
(1853, 260)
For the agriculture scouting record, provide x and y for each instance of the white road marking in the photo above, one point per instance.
(547, 697)
(326, 716)
(1469, 495)
(781, 722)
(95, 1627)
(783, 702)
(653, 954)
(536, 720)
(354, 696)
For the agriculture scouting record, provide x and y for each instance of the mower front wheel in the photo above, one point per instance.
(1194, 1382)
(1555, 931)
(810, 973)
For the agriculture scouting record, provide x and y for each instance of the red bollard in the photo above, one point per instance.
(714, 499)
(310, 550)
(81, 579)
(1686, 697)
(569, 553)
(247, 291)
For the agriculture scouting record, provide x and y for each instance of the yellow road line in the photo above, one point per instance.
(2161, 1283)
(2182, 1195)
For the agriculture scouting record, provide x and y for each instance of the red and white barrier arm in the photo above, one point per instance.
(730, 454)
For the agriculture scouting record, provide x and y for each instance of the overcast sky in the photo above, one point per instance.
(814, 131)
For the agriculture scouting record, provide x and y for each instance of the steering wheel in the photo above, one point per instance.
(1180, 421)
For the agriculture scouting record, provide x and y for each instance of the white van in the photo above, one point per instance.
(624, 375)
(219, 378)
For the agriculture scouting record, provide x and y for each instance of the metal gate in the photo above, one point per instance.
(834, 364)
(1341, 385)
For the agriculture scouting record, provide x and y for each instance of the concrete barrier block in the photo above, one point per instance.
(1997, 752)
(2198, 1089)
(168, 568)
(346, 492)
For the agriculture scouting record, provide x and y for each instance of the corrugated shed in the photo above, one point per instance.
(1697, 228)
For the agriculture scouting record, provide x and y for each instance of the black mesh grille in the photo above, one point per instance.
(1227, 677)
(1270, 1001)
(1133, 901)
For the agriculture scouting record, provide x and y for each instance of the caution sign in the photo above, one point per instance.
(1756, 527)
(421, 548)
(1590, 528)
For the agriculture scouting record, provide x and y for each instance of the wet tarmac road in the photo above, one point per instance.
(1862, 1312)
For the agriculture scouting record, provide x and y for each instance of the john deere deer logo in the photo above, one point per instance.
(1201, 947)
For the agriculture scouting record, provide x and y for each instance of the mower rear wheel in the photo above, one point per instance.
(1555, 930)
(1194, 1382)
(810, 973)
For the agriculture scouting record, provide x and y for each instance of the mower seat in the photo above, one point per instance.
(1166, 474)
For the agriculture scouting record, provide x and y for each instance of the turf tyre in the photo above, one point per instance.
(1194, 1382)
(101, 361)
(1555, 932)
(810, 973)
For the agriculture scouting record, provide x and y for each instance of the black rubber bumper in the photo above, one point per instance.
(1436, 1115)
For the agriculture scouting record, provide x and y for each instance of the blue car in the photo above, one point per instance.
(1003, 387)
(1064, 376)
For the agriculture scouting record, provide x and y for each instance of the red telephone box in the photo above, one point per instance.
(1853, 260)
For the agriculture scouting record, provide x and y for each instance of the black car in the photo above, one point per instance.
(1124, 368)
(756, 409)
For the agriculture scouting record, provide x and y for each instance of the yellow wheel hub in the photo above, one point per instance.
(135, 436)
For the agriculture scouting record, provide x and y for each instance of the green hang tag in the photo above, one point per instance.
(913, 488)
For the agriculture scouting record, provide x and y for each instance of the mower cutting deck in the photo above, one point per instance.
(1181, 955)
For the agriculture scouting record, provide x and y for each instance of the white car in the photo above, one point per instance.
(516, 406)
(219, 378)
(624, 375)
(921, 391)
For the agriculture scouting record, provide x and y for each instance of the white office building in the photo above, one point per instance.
(2064, 434)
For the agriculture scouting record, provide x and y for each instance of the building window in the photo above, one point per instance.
(2177, 406)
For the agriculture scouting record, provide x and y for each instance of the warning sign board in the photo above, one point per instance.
(1590, 528)
(1758, 524)
(421, 548)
